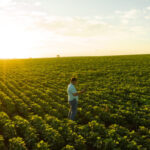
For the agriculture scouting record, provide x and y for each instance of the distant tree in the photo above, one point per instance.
(58, 56)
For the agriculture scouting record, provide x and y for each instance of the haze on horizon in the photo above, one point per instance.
(45, 28)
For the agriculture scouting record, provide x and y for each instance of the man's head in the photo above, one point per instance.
(74, 80)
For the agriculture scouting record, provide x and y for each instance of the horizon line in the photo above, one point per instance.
(73, 56)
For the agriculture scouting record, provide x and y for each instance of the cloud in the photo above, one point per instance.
(147, 17)
(148, 8)
(147, 13)
(5, 2)
(75, 32)
(132, 14)
(127, 16)
(119, 23)
(37, 3)
(74, 26)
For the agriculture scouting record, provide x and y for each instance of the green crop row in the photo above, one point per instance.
(112, 115)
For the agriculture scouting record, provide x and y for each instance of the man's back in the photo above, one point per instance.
(71, 89)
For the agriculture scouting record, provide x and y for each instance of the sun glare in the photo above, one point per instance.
(16, 42)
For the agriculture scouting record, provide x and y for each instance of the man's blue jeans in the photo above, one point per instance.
(73, 109)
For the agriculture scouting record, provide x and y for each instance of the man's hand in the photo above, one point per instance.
(78, 93)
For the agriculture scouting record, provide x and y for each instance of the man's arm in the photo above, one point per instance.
(78, 93)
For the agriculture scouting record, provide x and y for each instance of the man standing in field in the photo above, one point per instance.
(73, 98)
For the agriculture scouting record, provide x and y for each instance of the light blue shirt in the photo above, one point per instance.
(71, 89)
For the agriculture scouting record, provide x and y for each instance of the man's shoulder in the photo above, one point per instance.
(70, 86)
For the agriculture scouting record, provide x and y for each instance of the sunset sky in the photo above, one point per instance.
(45, 28)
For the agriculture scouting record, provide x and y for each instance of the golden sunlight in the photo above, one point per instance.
(16, 42)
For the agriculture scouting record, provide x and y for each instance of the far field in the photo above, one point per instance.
(114, 113)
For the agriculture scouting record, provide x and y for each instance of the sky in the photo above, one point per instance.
(46, 28)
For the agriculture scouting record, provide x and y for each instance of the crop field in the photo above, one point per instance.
(114, 113)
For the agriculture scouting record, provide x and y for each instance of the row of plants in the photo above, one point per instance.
(113, 113)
